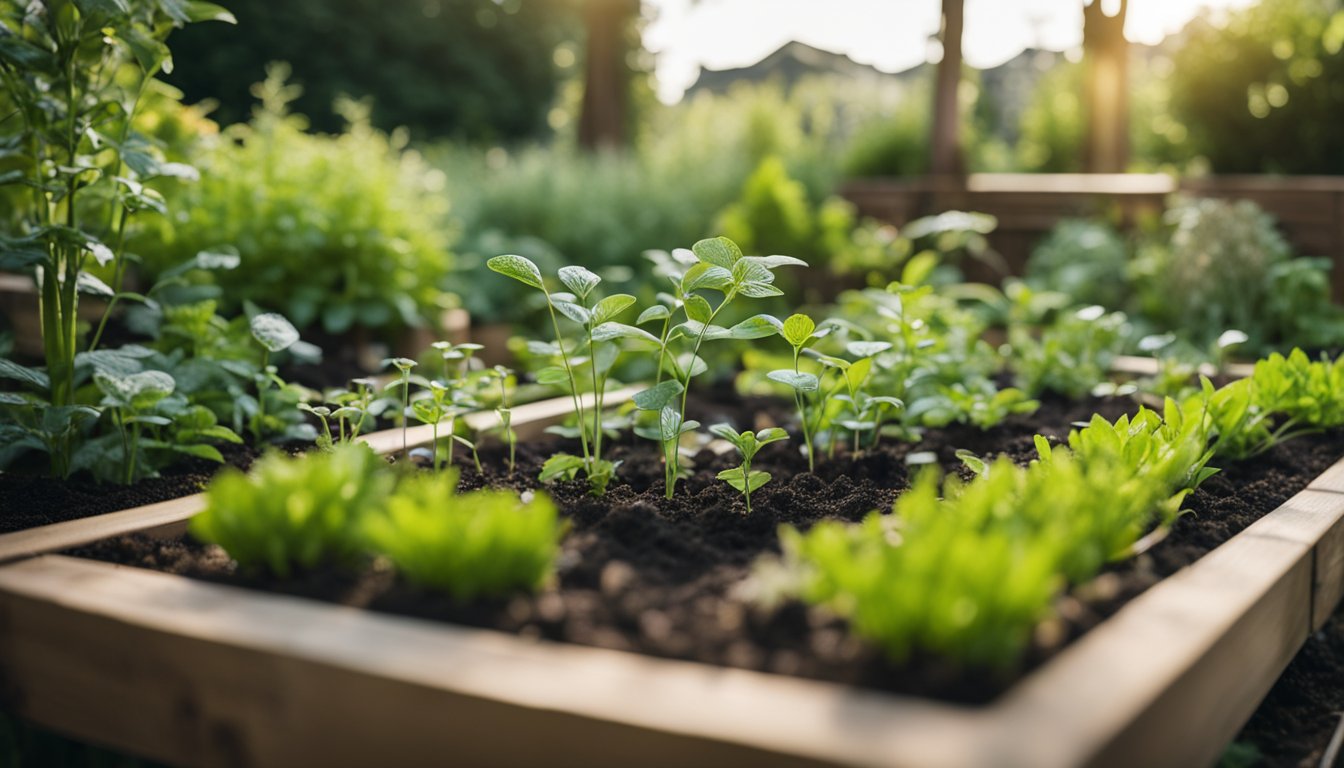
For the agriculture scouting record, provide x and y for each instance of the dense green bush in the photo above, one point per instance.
(1259, 90)
(474, 69)
(1086, 259)
(345, 230)
(1225, 266)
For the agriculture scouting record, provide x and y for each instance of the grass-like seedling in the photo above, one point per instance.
(404, 365)
(505, 378)
(747, 443)
(476, 544)
(294, 514)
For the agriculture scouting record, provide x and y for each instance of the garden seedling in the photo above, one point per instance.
(801, 332)
(275, 334)
(505, 378)
(596, 321)
(743, 477)
(717, 265)
(403, 366)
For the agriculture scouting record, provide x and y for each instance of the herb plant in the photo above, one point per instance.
(294, 514)
(484, 543)
(747, 443)
(402, 383)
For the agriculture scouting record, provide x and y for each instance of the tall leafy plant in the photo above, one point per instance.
(75, 72)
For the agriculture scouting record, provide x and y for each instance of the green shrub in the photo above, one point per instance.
(480, 543)
(1088, 260)
(345, 230)
(893, 145)
(294, 514)
(1225, 267)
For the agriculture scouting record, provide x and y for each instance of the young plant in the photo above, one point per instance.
(801, 332)
(743, 477)
(505, 378)
(445, 402)
(130, 399)
(591, 349)
(294, 514)
(403, 366)
(714, 265)
(275, 334)
(485, 543)
(1284, 398)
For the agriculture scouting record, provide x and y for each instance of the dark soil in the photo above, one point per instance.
(30, 500)
(1293, 725)
(643, 573)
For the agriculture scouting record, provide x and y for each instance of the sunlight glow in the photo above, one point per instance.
(891, 35)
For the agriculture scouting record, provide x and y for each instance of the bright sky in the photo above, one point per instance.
(891, 35)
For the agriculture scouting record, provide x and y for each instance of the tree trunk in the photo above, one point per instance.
(1106, 56)
(602, 120)
(945, 154)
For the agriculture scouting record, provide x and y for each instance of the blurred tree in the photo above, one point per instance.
(945, 152)
(473, 69)
(1106, 56)
(1262, 90)
(612, 39)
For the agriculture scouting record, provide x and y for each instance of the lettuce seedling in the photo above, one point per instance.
(485, 543)
(747, 443)
(294, 514)
(275, 334)
(1283, 398)
(801, 332)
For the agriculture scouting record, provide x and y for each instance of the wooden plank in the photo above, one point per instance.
(1171, 678)
(200, 674)
(1138, 365)
(74, 533)
(1314, 518)
(1331, 479)
(169, 517)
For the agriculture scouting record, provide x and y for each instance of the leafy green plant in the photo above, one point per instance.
(1073, 353)
(339, 230)
(748, 443)
(1084, 259)
(275, 334)
(1285, 397)
(800, 331)
(484, 543)
(966, 569)
(445, 402)
(590, 350)
(74, 75)
(294, 514)
(352, 409)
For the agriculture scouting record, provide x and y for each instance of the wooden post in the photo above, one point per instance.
(602, 121)
(945, 156)
(1106, 53)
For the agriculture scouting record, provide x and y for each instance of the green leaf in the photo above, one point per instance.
(88, 283)
(657, 397)
(30, 376)
(706, 276)
(758, 290)
(517, 267)
(574, 312)
(560, 465)
(136, 391)
(1043, 448)
(698, 309)
(756, 327)
(693, 329)
(975, 463)
(802, 382)
(867, 348)
(772, 262)
(222, 259)
(754, 480)
(273, 331)
(771, 435)
(656, 312)
(727, 433)
(798, 330)
(552, 374)
(611, 306)
(579, 280)
(610, 331)
(198, 11)
(669, 423)
(719, 251)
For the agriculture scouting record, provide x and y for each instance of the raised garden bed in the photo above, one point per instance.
(152, 648)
